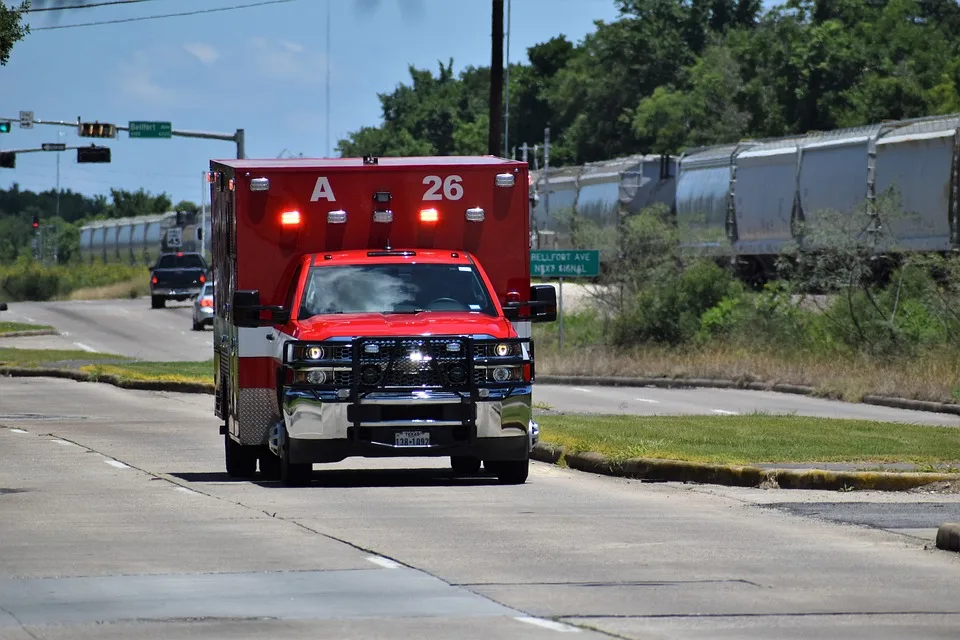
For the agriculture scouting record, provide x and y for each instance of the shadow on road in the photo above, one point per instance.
(358, 478)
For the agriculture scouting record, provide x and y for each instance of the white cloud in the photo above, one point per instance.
(205, 53)
(137, 81)
(289, 61)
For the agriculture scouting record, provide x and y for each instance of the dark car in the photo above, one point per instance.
(177, 276)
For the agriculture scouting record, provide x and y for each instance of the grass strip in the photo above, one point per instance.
(10, 327)
(201, 372)
(752, 439)
(34, 357)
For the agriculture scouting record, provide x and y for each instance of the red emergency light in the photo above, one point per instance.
(429, 215)
(290, 218)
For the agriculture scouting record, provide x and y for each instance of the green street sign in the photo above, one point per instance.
(150, 129)
(580, 263)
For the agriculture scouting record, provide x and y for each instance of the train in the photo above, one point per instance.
(746, 203)
(141, 239)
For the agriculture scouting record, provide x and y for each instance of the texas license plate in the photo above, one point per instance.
(411, 439)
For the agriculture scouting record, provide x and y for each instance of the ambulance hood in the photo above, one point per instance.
(437, 323)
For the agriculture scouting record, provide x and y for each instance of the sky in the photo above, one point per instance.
(262, 69)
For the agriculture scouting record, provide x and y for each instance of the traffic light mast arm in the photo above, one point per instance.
(238, 137)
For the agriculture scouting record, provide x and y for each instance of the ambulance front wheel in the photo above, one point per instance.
(509, 471)
(241, 461)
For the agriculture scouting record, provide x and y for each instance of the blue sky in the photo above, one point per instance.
(262, 69)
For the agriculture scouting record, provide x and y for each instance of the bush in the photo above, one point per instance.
(29, 280)
(669, 311)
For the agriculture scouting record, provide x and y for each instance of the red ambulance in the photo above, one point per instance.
(374, 307)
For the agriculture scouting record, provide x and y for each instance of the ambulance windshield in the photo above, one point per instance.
(394, 288)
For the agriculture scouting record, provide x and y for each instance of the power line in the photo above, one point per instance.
(85, 6)
(158, 17)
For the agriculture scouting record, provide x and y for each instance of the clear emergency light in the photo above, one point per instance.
(337, 217)
(475, 214)
(383, 216)
(260, 184)
(290, 218)
(505, 180)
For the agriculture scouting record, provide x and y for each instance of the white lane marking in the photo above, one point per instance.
(548, 624)
(28, 319)
(384, 562)
(725, 413)
(85, 347)
(582, 389)
(647, 400)
(64, 442)
(117, 464)
(17, 431)
(185, 490)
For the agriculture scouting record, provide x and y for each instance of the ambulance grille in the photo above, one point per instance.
(415, 362)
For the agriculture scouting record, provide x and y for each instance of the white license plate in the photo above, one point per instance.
(411, 439)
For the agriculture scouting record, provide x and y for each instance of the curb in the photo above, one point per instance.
(30, 332)
(80, 376)
(736, 476)
(948, 536)
(719, 383)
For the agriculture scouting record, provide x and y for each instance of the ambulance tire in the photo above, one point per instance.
(293, 474)
(241, 461)
(465, 465)
(269, 464)
(512, 471)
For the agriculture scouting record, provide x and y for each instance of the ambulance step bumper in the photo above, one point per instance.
(324, 428)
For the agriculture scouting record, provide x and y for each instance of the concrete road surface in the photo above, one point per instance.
(118, 521)
(132, 328)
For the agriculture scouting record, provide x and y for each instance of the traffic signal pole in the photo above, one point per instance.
(237, 137)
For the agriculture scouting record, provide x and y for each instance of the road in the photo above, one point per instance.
(131, 328)
(118, 522)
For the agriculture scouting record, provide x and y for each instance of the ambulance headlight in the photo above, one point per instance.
(502, 350)
(317, 377)
(314, 353)
(502, 374)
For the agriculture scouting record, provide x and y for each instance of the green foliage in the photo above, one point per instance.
(669, 74)
(29, 280)
(669, 311)
(12, 28)
(18, 207)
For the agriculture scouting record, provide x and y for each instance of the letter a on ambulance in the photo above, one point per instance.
(323, 190)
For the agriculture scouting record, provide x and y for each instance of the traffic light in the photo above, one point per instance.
(5, 126)
(96, 130)
(8, 160)
(36, 223)
(93, 154)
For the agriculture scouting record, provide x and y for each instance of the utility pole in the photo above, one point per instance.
(59, 136)
(328, 77)
(496, 79)
(506, 91)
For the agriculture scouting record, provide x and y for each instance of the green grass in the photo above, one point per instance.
(10, 327)
(165, 371)
(753, 438)
(109, 364)
(33, 357)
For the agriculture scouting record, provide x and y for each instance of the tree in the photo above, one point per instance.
(12, 29)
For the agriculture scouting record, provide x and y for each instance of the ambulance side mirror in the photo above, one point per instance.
(246, 310)
(542, 305)
(245, 307)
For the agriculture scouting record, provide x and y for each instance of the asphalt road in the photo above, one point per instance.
(118, 521)
(131, 328)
